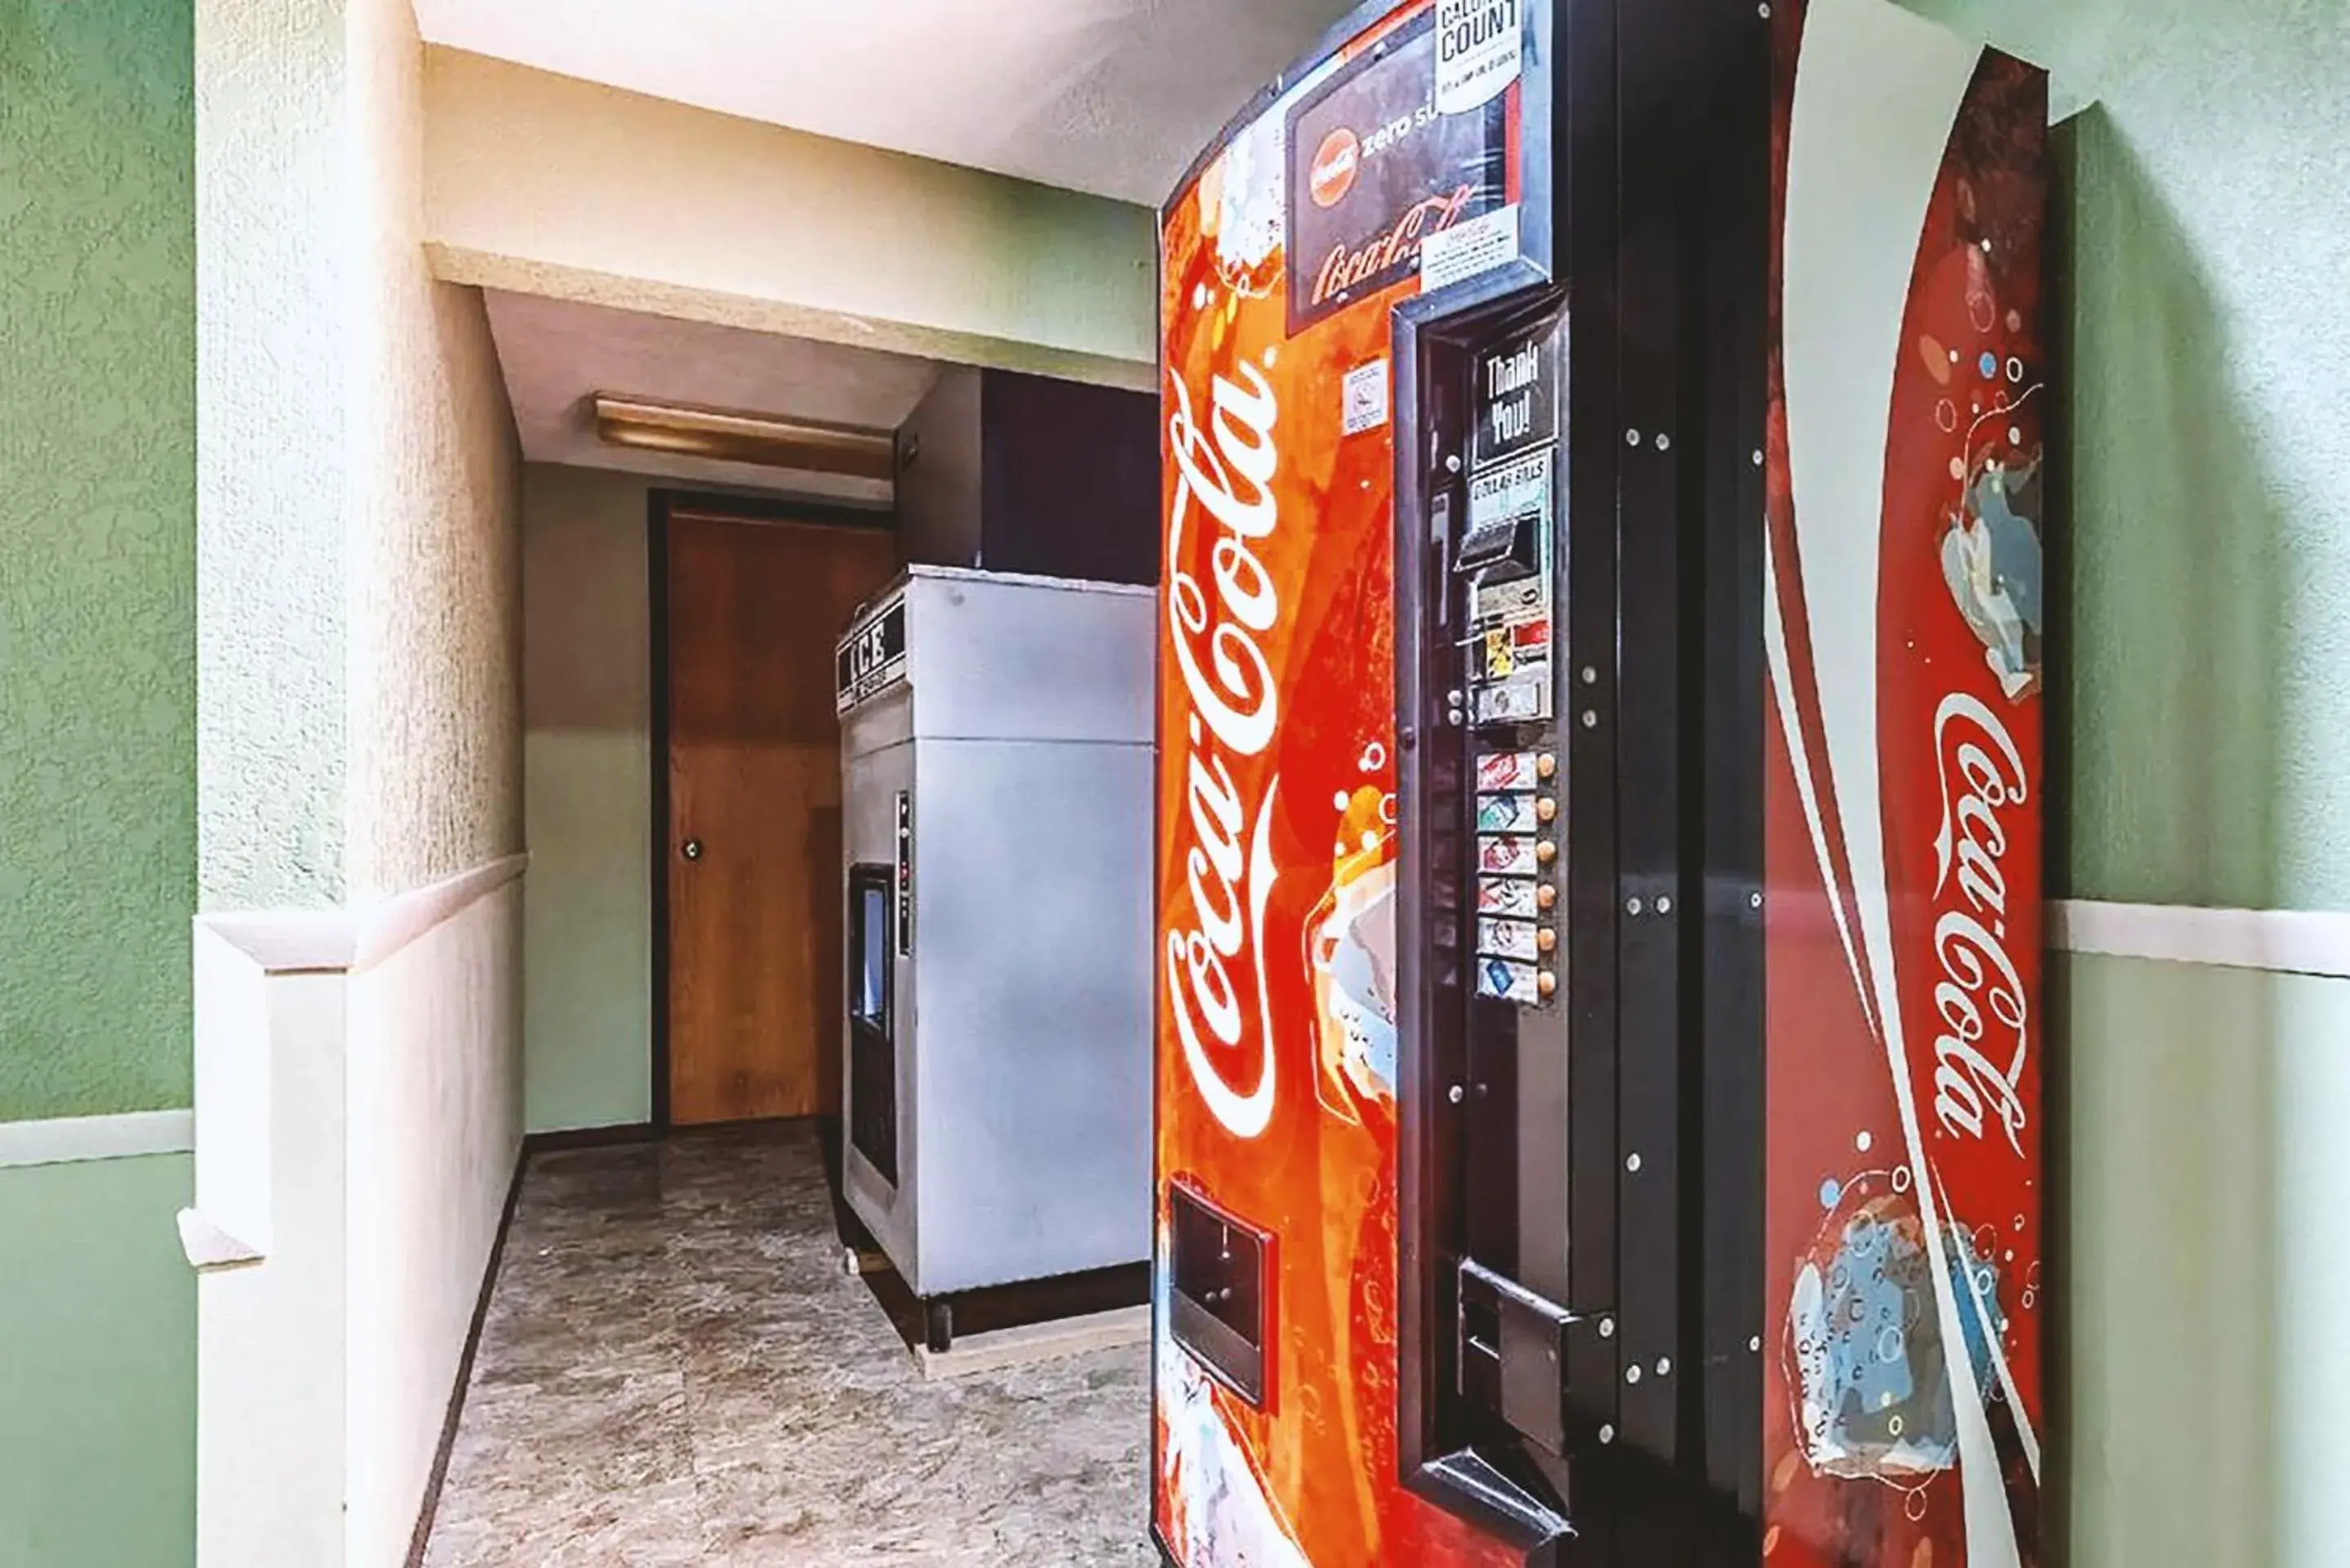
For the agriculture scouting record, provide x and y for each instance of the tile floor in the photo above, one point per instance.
(675, 1370)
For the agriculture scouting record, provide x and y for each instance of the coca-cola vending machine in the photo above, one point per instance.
(1598, 1093)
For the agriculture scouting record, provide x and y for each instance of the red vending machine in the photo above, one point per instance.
(1599, 1092)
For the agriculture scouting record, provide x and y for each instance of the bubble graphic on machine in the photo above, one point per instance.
(1243, 201)
(1866, 1358)
(1220, 1512)
(1351, 942)
(1991, 561)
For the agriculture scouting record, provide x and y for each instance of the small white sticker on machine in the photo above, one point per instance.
(1466, 249)
(1479, 47)
(1363, 398)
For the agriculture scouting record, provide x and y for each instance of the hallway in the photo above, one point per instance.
(674, 1369)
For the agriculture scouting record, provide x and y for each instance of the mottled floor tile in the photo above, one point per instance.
(674, 1369)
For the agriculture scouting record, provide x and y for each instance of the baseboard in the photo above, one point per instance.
(588, 1138)
(430, 1505)
(993, 1350)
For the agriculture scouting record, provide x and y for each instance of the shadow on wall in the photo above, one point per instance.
(2164, 736)
(2173, 609)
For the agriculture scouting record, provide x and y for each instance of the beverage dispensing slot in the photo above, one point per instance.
(1218, 1302)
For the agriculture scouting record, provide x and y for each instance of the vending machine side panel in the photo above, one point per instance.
(1905, 1204)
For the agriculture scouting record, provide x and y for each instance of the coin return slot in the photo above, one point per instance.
(1217, 1300)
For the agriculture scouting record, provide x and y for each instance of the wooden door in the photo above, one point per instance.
(754, 848)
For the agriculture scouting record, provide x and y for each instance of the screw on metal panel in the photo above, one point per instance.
(1606, 1328)
(1454, 1093)
(1631, 438)
(1452, 463)
(1590, 675)
(1606, 1433)
(1755, 1345)
(1758, 457)
(1632, 1374)
(1632, 1163)
(1591, 718)
(1664, 442)
(1764, 10)
(1754, 900)
(1631, 906)
(1664, 1367)
(1664, 905)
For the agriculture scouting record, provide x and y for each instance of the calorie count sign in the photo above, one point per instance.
(1478, 51)
(1465, 26)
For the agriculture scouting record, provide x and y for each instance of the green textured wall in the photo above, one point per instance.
(97, 554)
(98, 1366)
(2206, 1272)
(2207, 623)
(587, 799)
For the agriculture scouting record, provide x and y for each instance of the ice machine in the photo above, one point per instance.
(996, 753)
(1599, 844)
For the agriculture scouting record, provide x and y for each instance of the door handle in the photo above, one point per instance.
(693, 850)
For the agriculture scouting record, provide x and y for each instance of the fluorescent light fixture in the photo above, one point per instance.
(810, 446)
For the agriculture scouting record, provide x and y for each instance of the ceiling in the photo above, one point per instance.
(1113, 96)
(556, 354)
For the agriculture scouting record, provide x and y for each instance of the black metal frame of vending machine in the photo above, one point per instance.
(1582, 1301)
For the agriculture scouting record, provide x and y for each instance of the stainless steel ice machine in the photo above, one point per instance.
(997, 757)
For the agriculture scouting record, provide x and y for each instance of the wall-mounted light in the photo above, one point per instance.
(811, 446)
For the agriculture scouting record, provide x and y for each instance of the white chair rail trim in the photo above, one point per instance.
(67, 1140)
(2287, 941)
(328, 941)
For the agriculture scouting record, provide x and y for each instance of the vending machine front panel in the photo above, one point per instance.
(1332, 199)
(1598, 775)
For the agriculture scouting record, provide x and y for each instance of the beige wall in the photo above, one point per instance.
(271, 304)
(435, 1103)
(588, 794)
(434, 604)
(435, 789)
(543, 184)
(359, 728)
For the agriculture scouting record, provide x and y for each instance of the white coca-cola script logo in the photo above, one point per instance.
(1981, 774)
(1227, 468)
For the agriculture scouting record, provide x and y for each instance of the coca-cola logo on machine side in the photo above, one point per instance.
(1215, 957)
(1375, 168)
